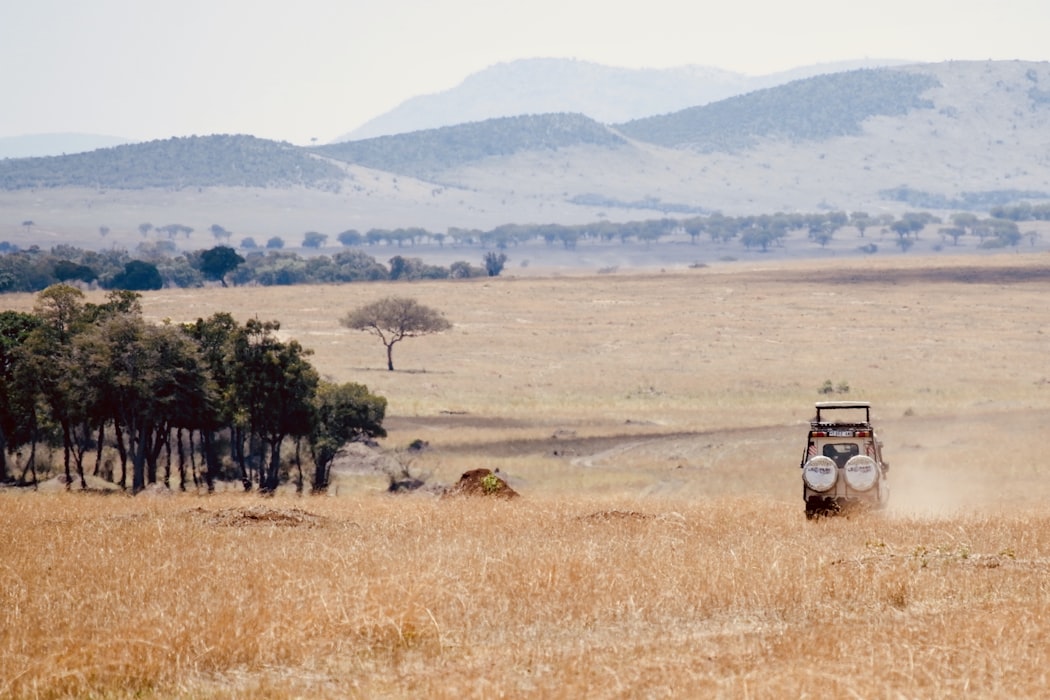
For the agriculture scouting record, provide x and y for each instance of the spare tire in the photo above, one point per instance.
(820, 473)
(861, 472)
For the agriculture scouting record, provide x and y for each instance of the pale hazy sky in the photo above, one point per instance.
(302, 69)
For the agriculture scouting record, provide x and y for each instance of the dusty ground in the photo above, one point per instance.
(696, 382)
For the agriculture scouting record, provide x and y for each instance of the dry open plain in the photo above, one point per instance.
(653, 424)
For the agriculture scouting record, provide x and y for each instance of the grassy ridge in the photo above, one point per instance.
(813, 109)
(195, 161)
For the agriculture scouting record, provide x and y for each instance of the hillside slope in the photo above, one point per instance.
(945, 137)
(604, 93)
(954, 134)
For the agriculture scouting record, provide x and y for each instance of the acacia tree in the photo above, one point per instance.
(49, 364)
(342, 413)
(274, 386)
(313, 239)
(214, 337)
(392, 319)
(215, 263)
(154, 383)
(16, 406)
(494, 263)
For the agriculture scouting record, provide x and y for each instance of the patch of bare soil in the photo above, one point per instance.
(623, 515)
(359, 458)
(94, 485)
(261, 515)
(481, 482)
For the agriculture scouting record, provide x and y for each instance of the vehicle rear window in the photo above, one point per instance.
(841, 451)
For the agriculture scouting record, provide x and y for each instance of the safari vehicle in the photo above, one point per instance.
(842, 466)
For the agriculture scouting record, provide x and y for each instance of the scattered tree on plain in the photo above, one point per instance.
(350, 237)
(218, 262)
(314, 239)
(494, 263)
(392, 319)
(220, 233)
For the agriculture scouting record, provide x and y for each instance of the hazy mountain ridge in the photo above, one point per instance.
(813, 109)
(430, 152)
(604, 93)
(206, 161)
(941, 136)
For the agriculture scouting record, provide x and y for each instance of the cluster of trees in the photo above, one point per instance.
(993, 201)
(768, 230)
(1023, 211)
(753, 231)
(157, 264)
(201, 402)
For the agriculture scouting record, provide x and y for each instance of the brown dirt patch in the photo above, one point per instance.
(261, 515)
(606, 515)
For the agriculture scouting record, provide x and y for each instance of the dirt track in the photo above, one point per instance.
(939, 463)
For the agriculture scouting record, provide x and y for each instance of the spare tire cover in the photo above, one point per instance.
(861, 472)
(820, 473)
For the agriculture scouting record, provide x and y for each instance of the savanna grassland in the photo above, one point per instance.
(653, 424)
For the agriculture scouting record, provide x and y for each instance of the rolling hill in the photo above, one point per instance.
(960, 135)
(606, 94)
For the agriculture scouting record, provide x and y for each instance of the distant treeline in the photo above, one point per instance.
(158, 263)
(155, 267)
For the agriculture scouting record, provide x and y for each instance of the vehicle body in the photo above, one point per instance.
(842, 466)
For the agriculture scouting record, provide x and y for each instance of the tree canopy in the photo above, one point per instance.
(215, 263)
(392, 319)
(100, 378)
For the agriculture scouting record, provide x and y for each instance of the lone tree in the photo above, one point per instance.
(494, 263)
(394, 318)
(218, 262)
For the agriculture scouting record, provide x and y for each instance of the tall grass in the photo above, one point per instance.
(652, 423)
(230, 596)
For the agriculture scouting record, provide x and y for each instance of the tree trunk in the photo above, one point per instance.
(138, 463)
(320, 484)
(299, 464)
(118, 436)
(182, 458)
(98, 451)
(66, 456)
(273, 470)
(211, 461)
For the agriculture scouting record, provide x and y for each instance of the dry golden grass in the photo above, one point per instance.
(653, 424)
(554, 597)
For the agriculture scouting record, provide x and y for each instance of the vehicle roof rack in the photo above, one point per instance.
(842, 405)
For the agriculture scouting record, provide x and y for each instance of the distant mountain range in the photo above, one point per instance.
(603, 93)
(957, 135)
